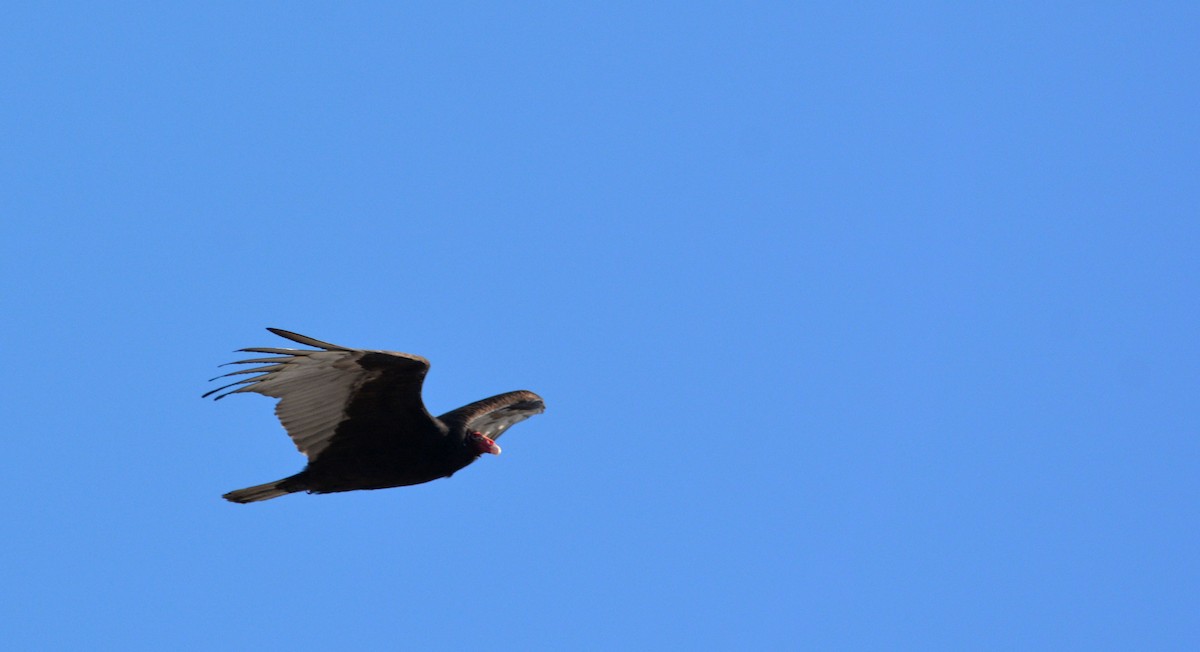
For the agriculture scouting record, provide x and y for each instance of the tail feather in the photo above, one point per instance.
(261, 492)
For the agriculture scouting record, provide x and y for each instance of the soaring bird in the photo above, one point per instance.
(358, 416)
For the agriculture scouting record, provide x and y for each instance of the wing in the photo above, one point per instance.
(492, 416)
(319, 390)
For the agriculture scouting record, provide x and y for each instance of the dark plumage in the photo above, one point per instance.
(359, 417)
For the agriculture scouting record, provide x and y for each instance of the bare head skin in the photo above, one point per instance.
(483, 444)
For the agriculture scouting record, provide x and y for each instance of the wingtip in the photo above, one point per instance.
(306, 340)
(532, 397)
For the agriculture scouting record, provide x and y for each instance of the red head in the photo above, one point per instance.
(482, 444)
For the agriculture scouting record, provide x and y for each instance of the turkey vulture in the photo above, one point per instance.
(359, 418)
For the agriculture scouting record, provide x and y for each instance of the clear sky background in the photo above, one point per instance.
(859, 326)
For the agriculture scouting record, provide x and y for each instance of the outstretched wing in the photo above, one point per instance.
(322, 390)
(492, 416)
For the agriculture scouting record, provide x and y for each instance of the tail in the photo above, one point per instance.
(262, 492)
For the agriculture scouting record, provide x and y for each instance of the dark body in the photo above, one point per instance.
(410, 457)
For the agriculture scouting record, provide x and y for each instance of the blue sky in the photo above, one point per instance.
(859, 326)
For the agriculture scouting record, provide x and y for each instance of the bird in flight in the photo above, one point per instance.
(359, 418)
